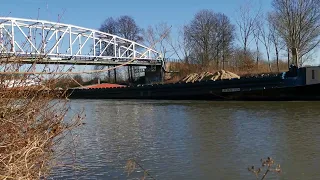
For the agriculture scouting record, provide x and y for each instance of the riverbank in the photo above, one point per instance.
(33, 126)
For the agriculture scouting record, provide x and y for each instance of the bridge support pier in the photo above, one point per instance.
(154, 74)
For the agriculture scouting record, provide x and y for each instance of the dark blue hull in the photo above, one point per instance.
(274, 88)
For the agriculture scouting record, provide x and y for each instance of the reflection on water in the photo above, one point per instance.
(196, 139)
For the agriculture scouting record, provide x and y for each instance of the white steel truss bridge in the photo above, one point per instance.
(58, 43)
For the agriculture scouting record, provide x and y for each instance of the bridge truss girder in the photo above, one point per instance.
(37, 38)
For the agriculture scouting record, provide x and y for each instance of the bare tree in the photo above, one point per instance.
(247, 24)
(309, 58)
(160, 33)
(183, 46)
(78, 78)
(265, 39)
(298, 24)
(199, 33)
(109, 26)
(180, 47)
(243, 61)
(256, 35)
(126, 27)
(97, 76)
(276, 41)
(225, 38)
(209, 36)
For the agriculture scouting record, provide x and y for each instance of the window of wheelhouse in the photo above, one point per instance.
(313, 74)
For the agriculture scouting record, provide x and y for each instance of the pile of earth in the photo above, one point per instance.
(207, 76)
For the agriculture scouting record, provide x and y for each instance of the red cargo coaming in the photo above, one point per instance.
(104, 85)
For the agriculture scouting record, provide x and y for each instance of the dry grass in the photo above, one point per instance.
(33, 124)
(184, 69)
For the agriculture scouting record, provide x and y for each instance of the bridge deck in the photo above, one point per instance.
(82, 62)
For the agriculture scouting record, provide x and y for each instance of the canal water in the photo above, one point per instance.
(194, 139)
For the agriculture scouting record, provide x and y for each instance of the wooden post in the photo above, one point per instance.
(131, 73)
(109, 75)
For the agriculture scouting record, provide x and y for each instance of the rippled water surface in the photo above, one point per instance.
(195, 139)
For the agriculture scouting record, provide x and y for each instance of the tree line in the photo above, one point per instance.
(291, 30)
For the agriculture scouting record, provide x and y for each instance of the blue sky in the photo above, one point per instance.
(91, 14)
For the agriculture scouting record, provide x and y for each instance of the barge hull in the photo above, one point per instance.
(301, 84)
(265, 93)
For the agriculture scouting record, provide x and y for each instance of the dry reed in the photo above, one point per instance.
(32, 123)
(269, 165)
(132, 165)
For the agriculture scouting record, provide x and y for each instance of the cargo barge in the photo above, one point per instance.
(296, 84)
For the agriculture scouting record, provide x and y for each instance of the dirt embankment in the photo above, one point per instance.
(205, 76)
